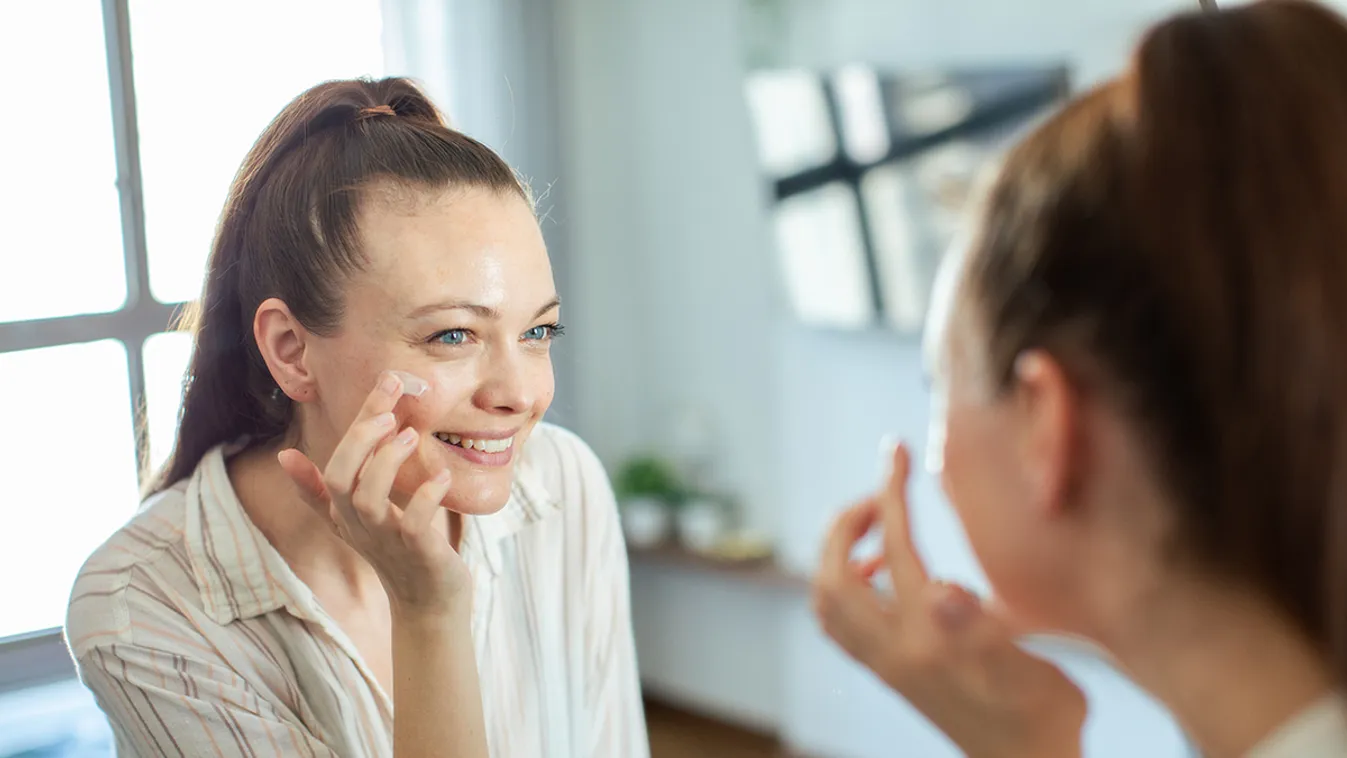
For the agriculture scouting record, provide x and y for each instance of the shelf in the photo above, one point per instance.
(763, 571)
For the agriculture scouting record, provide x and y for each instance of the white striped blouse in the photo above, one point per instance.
(197, 639)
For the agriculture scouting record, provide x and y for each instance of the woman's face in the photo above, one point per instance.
(994, 463)
(458, 291)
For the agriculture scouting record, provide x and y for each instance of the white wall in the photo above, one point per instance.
(675, 299)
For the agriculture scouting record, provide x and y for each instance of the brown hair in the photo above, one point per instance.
(1179, 235)
(289, 231)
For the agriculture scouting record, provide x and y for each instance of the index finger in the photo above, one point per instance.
(383, 398)
(908, 573)
(359, 441)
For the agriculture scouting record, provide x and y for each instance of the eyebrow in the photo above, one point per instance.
(484, 311)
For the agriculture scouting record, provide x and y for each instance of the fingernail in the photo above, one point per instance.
(412, 384)
(442, 477)
(389, 383)
(384, 419)
(406, 436)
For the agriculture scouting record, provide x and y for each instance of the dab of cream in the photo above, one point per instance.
(412, 384)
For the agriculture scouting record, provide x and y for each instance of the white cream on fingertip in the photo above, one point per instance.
(412, 384)
(888, 445)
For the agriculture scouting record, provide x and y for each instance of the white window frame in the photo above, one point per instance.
(41, 656)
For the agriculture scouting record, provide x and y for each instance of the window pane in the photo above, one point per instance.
(61, 146)
(209, 77)
(790, 118)
(860, 104)
(818, 236)
(166, 358)
(901, 249)
(70, 473)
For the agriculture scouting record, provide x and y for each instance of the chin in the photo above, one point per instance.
(478, 492)
(477, 501)
(472, 492)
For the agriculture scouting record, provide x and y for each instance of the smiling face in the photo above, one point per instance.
(457, 291)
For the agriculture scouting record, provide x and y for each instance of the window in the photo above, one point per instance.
(125, 162)
(871, 173)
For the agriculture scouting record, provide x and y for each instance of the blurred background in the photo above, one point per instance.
(745, 201)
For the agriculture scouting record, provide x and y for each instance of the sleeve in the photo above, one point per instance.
(613, 690)
(166, 704)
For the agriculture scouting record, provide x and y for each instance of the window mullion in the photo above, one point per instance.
(126, 138)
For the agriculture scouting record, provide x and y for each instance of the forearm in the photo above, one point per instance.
(436, 694)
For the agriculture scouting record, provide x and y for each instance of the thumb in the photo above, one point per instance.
(965, 621)
(308, 480)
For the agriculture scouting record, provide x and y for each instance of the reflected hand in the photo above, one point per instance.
(937, 645)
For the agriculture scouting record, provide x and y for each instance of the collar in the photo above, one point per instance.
(241, 575)
(1318, 731)
(529, 503)
(239, 572)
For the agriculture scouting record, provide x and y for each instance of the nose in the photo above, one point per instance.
(506, 385)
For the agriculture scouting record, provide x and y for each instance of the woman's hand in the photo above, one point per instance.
(420, 571)
(936, 643)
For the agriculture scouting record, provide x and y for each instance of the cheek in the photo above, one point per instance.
(344, 376)
(545, 389)
(986, 490)
(451, 403)
(962, 457)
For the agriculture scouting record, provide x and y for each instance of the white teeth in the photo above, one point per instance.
(486, 446)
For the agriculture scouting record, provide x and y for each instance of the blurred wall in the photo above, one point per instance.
(675, 302)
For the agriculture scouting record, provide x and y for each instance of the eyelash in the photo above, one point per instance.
(554, 330)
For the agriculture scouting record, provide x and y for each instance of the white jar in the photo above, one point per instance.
(645, 521)
(702, 525)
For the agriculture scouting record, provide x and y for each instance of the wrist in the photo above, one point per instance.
(420, 621)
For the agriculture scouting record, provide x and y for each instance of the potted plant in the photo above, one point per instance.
(647, 488)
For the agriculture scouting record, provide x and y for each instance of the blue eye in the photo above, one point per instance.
(452, 337)
(544, 332)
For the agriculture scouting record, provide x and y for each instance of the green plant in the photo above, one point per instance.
(648, 476)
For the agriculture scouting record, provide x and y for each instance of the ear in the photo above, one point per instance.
(284, 343)
(1048, 406)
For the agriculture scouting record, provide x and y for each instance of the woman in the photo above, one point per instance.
(363, 509)
(1142, 383)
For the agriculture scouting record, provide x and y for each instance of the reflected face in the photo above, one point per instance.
(458, 291)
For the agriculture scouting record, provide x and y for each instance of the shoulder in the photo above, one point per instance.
(132, 574)
(563, 464)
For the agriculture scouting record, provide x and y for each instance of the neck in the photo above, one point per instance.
(1229, 667)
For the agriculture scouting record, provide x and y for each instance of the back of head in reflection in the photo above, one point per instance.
(1143, 370)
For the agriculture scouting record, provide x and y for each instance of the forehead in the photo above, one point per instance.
(465, 239)
(944, 298)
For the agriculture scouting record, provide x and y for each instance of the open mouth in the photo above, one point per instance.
(484, 446)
